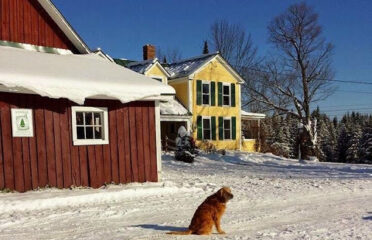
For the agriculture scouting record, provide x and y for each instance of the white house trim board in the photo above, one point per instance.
(190, 91)
(156, 63)
(223, 62)
(158, 139)
(63, 24)
(36, 48)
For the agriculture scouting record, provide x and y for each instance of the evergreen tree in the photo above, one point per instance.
(205, 48)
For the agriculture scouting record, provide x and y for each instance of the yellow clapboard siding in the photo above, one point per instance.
(155, 71)
(217, 72)
(181, 88)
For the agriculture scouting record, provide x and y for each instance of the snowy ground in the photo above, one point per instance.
(275, 198)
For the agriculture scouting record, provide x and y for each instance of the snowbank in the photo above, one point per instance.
(75, 77)
(32, 201)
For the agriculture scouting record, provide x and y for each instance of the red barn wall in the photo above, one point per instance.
(50, 158)
(25, 21)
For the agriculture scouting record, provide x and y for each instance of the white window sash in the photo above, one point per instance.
(209, 93)
(105, 129)
(230, 128)
(226, 95)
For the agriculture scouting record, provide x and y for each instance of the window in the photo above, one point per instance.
(226, 95)
(158, 79)
(207, 129)
(206, 93)
(89, 125)
(227, 128)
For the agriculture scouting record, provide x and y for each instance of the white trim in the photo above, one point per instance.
(240, 116)
(156, 63)
(230, 119)
(174, 118)
(158, 139)
(190, 92)
(229, 85)
(157, 78)
(62, 23)
(80, 142)
(210, 127)
(206, 82)
(224, 63)
(35, 48)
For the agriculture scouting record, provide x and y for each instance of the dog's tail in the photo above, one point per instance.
(187, 232)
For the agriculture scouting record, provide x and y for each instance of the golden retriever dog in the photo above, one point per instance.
(209, 214)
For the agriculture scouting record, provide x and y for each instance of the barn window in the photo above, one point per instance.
(89, 125)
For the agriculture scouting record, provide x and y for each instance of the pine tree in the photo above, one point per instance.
(205, 48)
(365, 151)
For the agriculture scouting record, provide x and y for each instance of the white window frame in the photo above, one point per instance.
(230, 119)
(209, 93)
(105, 129)
(210, 127)
(224, 95)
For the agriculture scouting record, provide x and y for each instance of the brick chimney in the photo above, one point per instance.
(149, 52)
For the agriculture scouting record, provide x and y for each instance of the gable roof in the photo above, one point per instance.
(63, 24)
(188, 67)
(141, 66)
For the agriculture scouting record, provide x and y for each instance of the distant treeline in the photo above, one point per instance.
(347, 141)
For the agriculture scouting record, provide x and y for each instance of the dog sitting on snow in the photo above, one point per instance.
(209, 214)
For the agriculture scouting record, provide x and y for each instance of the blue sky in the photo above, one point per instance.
(122, 27)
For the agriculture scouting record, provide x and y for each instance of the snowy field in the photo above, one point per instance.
(274, 198)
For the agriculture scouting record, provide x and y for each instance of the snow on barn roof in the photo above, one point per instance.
(186, 67)
(173, 107)
(75, 77)
(250, 115)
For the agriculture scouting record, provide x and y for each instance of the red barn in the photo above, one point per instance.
(69, 117)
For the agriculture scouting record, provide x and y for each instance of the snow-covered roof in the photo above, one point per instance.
(141, 66)
(251, 115)
(75, 77)
(186, 67)
(173, 107)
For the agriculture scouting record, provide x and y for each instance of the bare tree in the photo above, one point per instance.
(171, 55)
(301, 73)
(234, 44)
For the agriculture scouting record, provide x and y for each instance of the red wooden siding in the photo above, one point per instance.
(25, 21)
(50, 158)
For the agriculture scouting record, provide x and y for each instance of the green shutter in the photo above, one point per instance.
(213, 119)
(198, 92)
(233, 128)
(232, 95)
(199, 128)
(219, 94)
(213, 93)
(220, 128)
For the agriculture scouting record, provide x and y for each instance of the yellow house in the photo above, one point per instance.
(207, 103)
(210, 88)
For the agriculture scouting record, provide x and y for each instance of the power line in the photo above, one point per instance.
(345, 110)
(321, 79)
(349, 105)
(344, 91)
